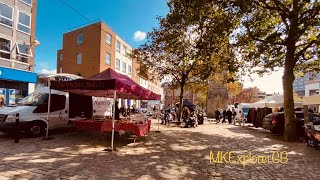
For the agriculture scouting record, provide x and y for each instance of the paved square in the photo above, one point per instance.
(175, 153)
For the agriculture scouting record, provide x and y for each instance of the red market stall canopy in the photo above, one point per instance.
(104, 84)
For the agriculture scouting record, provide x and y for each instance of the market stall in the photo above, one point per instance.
(275, 100)
(108, 84)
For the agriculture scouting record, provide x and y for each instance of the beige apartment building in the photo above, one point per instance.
(17, 43)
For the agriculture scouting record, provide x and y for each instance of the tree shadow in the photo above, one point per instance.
(175, 153)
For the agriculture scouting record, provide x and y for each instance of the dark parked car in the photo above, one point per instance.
(275, 122)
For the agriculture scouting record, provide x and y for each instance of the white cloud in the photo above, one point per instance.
(43, 65)
(46, 71)
(139, 36)
(269, 83)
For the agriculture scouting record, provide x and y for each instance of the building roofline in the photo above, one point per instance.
(96, 22)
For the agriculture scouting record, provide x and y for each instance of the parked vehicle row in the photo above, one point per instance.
(275, 122)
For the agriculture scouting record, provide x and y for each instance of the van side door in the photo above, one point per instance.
(58, 115)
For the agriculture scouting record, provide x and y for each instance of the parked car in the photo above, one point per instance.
(275, 122)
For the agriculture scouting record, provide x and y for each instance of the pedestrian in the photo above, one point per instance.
(133, 110)
(229, 115)
(241, 118)
(234, 113)
(117, 111)
(167, 115)
(217, 115)
(224, 113)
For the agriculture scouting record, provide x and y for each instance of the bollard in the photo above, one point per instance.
(17, 133)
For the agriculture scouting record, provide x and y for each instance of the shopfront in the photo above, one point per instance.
(16, 84)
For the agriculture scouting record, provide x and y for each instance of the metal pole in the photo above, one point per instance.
(48, 115)
(17, 138)
(114, 117)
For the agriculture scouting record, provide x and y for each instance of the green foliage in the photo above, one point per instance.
(279, 33)
(191, 43)
(271, 30)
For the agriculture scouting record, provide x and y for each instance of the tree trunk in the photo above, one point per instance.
(290, 131)
(180, 101)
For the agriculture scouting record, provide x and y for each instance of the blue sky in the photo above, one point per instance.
(125, 17)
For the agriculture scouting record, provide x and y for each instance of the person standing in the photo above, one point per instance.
(117, 111)
(234, 113)
(133, 110)
(229, 115)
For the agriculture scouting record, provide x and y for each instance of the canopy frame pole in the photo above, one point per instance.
(48, 115)
(113, 118)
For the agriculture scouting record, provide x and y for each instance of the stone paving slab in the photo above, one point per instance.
(175, 153)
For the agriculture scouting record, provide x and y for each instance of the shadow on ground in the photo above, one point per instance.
(175, 153)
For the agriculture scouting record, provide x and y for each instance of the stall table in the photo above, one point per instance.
(106, 126)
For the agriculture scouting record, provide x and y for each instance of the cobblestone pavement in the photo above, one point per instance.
(175, 153)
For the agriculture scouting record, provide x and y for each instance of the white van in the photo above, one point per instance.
(33, 111)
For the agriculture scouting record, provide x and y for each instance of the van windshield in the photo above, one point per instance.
(34, 99)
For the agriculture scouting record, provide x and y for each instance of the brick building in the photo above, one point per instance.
(91, 49)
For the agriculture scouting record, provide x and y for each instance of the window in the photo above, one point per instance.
(6, 15)
(5, 47)
(61, 57)
(124, 67)
(79, 39)
(129, 69)
(118, 64)
(108, 58)
(60, 69)
(79, 58)
(125, 51)
(23, 53)
(108, 39)
(28, 2)
(24, 22)
(58, 103)
(24, 49)
(118, 47)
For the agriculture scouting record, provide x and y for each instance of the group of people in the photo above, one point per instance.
(229, 115)
(124, 111)
(188, 116)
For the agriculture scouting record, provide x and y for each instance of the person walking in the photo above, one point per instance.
(217, 115)
(224, 113)
(229, 115)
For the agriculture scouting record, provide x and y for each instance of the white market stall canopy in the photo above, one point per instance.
(311, 100)
(275, 100)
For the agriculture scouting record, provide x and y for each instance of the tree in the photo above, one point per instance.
(189, 47)
(234, 88)
(200, 91)
(279, 33)
(248, 95)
